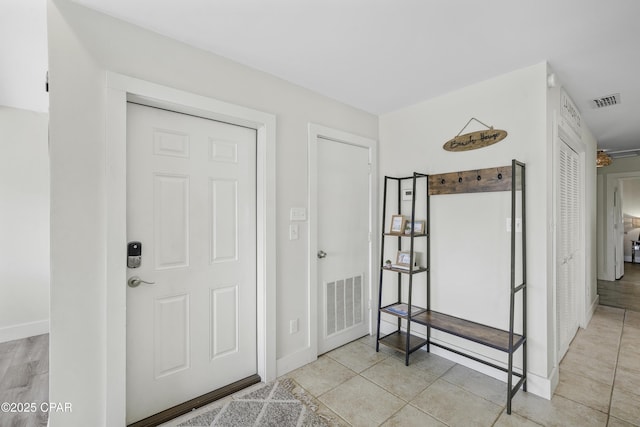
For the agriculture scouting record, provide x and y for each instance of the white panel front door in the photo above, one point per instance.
(343, 235)
(191, 202)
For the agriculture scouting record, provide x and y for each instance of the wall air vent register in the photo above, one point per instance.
(606, 101)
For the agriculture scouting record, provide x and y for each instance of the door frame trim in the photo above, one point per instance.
(318, 131)
(119, 90)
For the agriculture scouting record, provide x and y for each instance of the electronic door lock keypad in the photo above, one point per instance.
(134, 254)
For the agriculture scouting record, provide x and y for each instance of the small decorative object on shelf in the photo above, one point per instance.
(387, 263)
(403, 259)
(418, 227)
(397, 224)
(403, 309)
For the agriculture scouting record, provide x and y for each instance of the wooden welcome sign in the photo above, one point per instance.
(475, 140)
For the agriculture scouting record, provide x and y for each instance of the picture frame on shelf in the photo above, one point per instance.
(403, 259)
(418, 227)
(397, 224)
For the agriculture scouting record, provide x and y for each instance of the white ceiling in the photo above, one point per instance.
(382, 55)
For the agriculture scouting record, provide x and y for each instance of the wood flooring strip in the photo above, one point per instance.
(622, 293)
(198, 402)
(24, 378)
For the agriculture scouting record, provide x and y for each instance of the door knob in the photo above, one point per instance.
(135, 281)
(321, 254)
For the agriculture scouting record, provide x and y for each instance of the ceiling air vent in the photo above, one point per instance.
(606, 101)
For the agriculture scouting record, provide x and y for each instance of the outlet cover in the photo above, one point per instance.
(293, 326)
(294, 232)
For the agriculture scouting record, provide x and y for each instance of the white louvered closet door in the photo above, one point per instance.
(568, 248)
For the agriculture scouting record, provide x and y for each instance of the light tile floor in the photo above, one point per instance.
(599, 384)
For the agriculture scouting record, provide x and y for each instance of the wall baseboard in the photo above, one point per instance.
(592, 310)
(24, 330)
(295, 360)
(543, 387)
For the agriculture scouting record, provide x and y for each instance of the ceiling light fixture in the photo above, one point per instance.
(602, 159)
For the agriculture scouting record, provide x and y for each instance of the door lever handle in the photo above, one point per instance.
(135, 281)
(321, 254)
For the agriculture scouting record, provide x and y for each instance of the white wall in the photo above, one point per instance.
(631, 197)
(469, 230)
(24, 224)
(591, 222)
(83, 45)
(23, 54)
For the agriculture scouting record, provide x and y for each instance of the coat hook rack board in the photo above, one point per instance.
(473, 181)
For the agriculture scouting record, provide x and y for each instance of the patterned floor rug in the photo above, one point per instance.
(274, 404)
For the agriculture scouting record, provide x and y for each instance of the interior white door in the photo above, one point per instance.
(619, 231)
(568, 247)
(191, 202)
(344, 191)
